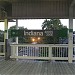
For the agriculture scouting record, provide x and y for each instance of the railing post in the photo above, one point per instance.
(13, 48)
(50, 52)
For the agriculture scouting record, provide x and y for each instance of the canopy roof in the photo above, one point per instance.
(38, 8)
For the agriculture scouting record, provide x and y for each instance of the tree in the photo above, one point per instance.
(52, 24)
(46, 24)
(55, 25)
(20, 39)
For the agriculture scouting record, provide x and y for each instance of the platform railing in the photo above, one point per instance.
(41, 51)
(38, 51)
(59, 52)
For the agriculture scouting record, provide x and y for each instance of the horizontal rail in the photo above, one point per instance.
(31, 45)
(2, 54)
(1, 43)
(24, 57)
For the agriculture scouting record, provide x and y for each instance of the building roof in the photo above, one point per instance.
(37, 8)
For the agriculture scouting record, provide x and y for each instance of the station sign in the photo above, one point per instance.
(31, 33)
(39, 33)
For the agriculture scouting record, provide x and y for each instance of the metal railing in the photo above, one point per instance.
(2, 51)
(60, 52)
(33, 51)
(30, 51)
(40, 51)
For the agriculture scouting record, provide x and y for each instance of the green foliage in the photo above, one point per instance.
(59, 32)
(57, 27)
(20, 39)
(52, 24)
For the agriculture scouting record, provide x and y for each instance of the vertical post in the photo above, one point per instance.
(70, 40)
(6, 38)
(17, 37)
(50, 52)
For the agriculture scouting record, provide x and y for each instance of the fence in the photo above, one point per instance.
(41, 51)
(30, 51)
(60, 52)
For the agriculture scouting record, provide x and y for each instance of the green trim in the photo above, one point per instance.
(70, 30)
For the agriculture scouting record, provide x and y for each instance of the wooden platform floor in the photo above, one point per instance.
(29, 67)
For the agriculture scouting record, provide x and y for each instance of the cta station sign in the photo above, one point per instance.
(31, 33)
(39, 33)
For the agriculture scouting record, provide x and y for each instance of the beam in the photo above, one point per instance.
(29, 0)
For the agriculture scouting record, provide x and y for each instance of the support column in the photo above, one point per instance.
(17, 37)
(6, 39)
(70, 43)
(70, 39)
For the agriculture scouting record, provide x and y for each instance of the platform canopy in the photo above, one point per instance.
(37, 8)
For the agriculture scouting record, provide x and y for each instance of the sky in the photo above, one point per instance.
(34, 23)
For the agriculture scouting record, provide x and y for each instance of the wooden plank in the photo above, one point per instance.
(33, 67)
